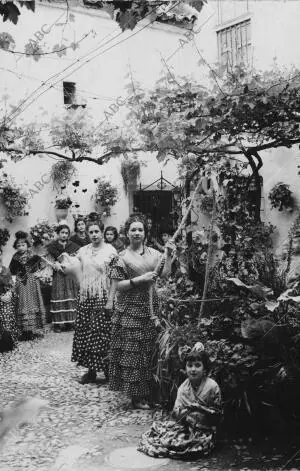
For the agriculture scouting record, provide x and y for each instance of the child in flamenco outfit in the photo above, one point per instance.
(30, 307)
(191, 430)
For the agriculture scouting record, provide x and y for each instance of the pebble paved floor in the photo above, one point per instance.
(84, 424)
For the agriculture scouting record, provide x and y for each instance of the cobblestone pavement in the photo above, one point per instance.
(84, 424)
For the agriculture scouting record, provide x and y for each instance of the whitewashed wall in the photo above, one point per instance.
(101, 81)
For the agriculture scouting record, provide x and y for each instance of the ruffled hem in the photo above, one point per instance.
(131, 382)
(172, 440)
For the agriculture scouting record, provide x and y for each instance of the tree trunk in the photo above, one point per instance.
(256, 195)
(187, 188)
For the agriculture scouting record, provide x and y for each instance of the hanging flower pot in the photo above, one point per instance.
(130, 171)
(62, 173)
(13, 198)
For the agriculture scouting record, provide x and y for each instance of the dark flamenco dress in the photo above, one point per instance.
(30, 306)
(80, 241)
(133, 331)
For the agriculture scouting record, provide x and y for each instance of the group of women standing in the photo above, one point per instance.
(115, 325)
(111, 296)
(35, 289)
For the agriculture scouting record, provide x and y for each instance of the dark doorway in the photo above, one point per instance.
(160, 205)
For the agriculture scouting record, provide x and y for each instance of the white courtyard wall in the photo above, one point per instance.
(275, 33)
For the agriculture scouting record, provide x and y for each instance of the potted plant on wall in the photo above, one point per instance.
(14, 198)
(106, 196)
(281, 197)
(62, 173)
(130, 171)
(62, 206)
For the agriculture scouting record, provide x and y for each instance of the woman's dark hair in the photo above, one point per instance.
(21, 235)
(95, 222)
(61, 227)
(76, 223)
(1, 250)
(199, 356)
(136, 217)
(112, 229)
(170, 232)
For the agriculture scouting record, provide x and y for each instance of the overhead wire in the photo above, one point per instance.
(93, 95)
(66, 68)
(81, 65)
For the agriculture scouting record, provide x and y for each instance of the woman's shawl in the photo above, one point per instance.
(21, 264)
(56, 249)
(79, 241)
(5, 280)
(94, 280)
(129, 264)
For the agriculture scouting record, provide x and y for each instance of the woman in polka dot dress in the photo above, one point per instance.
(93, 321)
(8, 322)
(133, 323)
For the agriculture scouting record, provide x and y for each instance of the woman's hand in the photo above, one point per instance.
(109, 305)
(149, 277)
(57, 266)
(6, 298)
(170, 248)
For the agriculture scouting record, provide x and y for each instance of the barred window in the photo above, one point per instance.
(234, 44)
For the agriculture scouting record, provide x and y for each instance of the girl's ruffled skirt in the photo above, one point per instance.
(174, 440)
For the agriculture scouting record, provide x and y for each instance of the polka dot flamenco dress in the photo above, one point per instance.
(8, 323)
(133, 332)
(93, 323)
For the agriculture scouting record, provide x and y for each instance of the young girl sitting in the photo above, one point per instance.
(196, 413)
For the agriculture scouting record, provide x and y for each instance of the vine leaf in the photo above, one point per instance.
(6, 41)
(30, 5)
(9, 11)
(59, 49)
(74, 46)
(127, 20)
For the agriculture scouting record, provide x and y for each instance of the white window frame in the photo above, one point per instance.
(237, 46)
